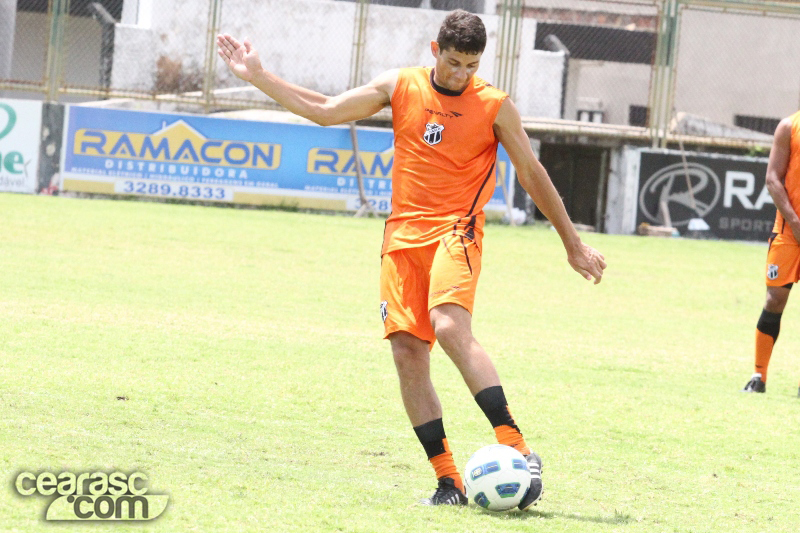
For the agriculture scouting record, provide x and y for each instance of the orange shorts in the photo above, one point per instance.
(415, 280)
(783, 261)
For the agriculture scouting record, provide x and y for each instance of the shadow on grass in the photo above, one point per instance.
(617, 518)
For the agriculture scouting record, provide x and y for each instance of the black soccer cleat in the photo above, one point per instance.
(755, 384)
(536, 489)
(446, 494)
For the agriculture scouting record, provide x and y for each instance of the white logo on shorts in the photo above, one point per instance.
(384, 310)
(772, 272)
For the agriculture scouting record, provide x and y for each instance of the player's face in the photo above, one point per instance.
(454, 69)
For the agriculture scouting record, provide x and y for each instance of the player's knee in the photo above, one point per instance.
(776, 301)
(442, 324)
(448, 333)
(408, 350)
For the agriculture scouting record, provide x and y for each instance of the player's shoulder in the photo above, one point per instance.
(788, 126)
(793, 119)
(486, 89)
(410, 76)
(412, 72)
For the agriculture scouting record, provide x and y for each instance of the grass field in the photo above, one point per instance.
(235, 357)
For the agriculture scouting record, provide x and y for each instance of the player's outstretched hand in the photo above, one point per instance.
(242, 58)
(588, 262)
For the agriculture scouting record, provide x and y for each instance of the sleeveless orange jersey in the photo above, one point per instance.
(444, 161)
(792, 181)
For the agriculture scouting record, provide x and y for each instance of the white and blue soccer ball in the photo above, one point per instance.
(497, 477)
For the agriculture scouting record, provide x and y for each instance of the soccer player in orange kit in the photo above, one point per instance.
(447, 124)
(783, 257)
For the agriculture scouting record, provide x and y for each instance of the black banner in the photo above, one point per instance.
(727, 192)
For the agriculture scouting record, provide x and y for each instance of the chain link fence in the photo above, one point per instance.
(602, 53)
(24, 36)
(736, 69)
(654, 68)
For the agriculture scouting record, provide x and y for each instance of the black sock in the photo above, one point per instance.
(492, 401)
(769, 324)
(431, 436)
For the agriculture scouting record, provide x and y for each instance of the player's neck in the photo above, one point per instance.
(444, 90)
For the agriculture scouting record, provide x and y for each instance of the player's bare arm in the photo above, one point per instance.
(362, 102)
(776, 175)
(533, 177)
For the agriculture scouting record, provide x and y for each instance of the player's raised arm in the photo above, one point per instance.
(533, 177)
(776, 175)
(243, 60)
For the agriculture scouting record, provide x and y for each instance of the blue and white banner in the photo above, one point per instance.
(214, 159)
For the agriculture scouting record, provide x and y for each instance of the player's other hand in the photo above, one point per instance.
(588, 262)
(241, 57)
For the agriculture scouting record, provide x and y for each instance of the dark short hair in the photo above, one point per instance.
(463, 32)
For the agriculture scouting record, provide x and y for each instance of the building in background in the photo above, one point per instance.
(588, 76)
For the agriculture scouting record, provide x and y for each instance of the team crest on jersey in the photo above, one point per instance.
(384, 310)
(433, 133)
(772, 272)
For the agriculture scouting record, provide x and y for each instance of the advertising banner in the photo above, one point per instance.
(727, 192)
(224, 160)
(20, 134)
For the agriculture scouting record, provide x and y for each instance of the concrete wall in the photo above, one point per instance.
(539, 77)
(615, 87)
(7, 20)
(176, 32)
(727, 63)
(81, 63)
(310, 43)
(737, 64)
(401, 37)
(30, 46)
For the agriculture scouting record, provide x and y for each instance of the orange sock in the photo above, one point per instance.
(444, 466)
(767, 330)
(432, 437)
(510, 436)
(492, 401)
(764, 344)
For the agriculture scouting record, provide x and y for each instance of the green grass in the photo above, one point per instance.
(258, 394)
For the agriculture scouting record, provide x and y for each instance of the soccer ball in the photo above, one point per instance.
(497, 477)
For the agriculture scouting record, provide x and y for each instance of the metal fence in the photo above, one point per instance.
(714, 71)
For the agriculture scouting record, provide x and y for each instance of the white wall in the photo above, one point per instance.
(594, 6)
(81, 62)
(727, 63)
(310, 43)
(401, 37)
(539, 75)
(615, 85)
(8, 13)
(30, 46)
(737, 64)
